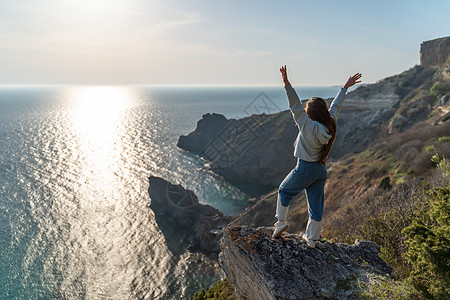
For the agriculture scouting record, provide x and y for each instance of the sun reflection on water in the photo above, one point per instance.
(98, 119)
(100, 122)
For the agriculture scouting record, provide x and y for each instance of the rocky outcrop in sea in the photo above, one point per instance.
(262, 268)
(185, 223)
(256, 149)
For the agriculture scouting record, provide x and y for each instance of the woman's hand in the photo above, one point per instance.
(283, 71)
(352, 80)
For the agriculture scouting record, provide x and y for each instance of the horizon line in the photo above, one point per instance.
(164, 85)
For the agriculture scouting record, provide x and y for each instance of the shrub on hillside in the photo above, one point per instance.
(409, 149)
(444, 139)
(439, 88)
(429, 245)
(385, 183)
(429, 240)
(421, 164)
(221, 290)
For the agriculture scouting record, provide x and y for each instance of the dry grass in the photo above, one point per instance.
(379, 215)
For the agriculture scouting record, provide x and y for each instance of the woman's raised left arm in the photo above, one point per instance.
(335, 107)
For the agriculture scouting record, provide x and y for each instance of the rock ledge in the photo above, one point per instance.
(264, 268)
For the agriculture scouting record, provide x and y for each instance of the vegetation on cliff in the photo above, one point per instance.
(428, 240)
(411, 223)
(221, 290)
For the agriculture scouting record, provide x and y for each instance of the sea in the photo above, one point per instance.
(75, 220)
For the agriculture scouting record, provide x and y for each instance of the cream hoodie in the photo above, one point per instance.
(312, 134)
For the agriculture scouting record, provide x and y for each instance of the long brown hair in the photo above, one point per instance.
(317, 110)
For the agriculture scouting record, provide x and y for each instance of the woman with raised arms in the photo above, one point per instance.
(317, 131)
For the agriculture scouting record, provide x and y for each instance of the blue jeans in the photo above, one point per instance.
(309, 176)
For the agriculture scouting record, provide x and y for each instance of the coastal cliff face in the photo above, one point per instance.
(208, 129)
(435, 52)
(256, 149)
(264, 268)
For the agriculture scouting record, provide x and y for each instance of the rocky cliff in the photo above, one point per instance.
(435, 52)
(185, 223)
(264, 268)
(245, 150)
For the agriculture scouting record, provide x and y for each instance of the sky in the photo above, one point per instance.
(212, 42)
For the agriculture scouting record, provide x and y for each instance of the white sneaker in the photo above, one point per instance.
(312, 235)
(280, 227)
(309, 242)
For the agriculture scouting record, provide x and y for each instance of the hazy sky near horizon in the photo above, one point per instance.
(212, 42)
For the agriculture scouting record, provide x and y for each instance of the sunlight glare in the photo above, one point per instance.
(99, 108)
(98, 117)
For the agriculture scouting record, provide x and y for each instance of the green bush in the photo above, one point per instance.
(444, 139)
(379, 287)
(222, 290)
(430, 148)
(386, 231)
(385, 183)
(428, 239)
(439, 88)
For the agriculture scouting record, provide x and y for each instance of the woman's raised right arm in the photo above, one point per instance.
(295, 106)
(352, 80)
